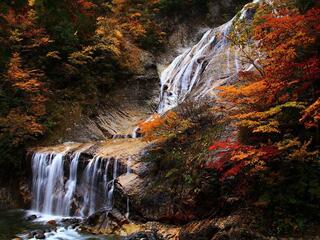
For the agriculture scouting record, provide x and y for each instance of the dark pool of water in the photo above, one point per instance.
(13, 222)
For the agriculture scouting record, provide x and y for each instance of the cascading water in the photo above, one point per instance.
(48, 182)
(52, 195)
(71, 184)
(194, 74)
(128, 172)
(39, 169)
(114, 177)
(106, 179)
(90, 181)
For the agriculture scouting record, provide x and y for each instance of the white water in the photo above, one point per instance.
(66, 234)
(196, 73)
(90, 181)
(71, 184)
(48, 182)
(106, 179)
(59, 233)
(53, 195)
(114, 177)
(184, 74)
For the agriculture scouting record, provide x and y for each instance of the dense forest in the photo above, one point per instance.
(252, 150)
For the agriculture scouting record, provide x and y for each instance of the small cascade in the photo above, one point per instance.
(112, 182)
(90, 176)
(63, 193)
(135, 132)
(71, 184)
(128, 200)
(106, 179)
(129, 165)
(128, 208)
(48, 182)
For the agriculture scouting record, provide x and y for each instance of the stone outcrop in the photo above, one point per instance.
(223, 228)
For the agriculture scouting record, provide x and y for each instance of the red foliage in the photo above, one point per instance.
(289, 39)
(25, 121)
(291, 64)
(233, 158)
(83, 6)
(288, 73)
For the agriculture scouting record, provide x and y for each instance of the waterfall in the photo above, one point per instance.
(110, 193)
(106, 179)
(71, 184)
(184, 74)
(39, 182)
(55, 190)
(90, 181)
(48, 185)
(129, 165)
(210, 63)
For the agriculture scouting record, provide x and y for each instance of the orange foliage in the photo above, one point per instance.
(162, 127)
(291, 66)
(285, 36)
(85, 7)
(136, 24)
(24, 79)
(20, 126)
(23, 30)
(233, 158)
(147, 128)
(287, 77)
(24, 121)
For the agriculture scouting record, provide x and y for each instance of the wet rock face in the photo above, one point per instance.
(217, 9)
(31, 217)
(106, 217)
(40, 235)
(25, 192)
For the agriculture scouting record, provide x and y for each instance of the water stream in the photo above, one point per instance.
(52, 195)
(184, 76)
(199, 70)
(13, 224)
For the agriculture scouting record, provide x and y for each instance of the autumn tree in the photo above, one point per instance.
(280, 93)
(290, 68)
(160, 128)
(23, 119)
